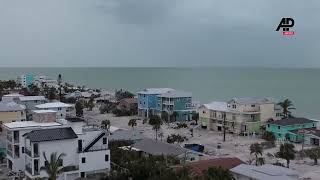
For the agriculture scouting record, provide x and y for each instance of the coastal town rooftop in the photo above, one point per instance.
(44, 111)
(217, 106)
(252, 100)
(265, 172)
(292, 121)
(155, 90)
(10, 106)
(51, 134)
(29, 124)
(175, 94)
(53, 105)
(32, 98)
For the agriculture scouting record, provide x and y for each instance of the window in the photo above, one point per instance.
(82, 174)
(83, 160)
(313, 125)
(203, 112)
(46, 163)
(22, 149)
(144, 102)
(61, 114)
(268, 125)
(278, 127)
(279, 135)
(253, 105)
(106, 157)
(59, 108)
(104, 140)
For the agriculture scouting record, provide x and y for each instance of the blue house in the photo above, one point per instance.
(147, 100)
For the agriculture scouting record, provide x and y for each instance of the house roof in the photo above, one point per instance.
(175, 94)
(74, 119)
(126, 135)
(130, 100)
(265, 172)
(53, 105)
(225, 163)
(32, 98)
(10, 106)
(13, 95)
(44, 111)
(153, 147)
(51, 134)
(291, 121)
(154, 90)
(217, 106)
(252, 100)
(308, 131)
(27, 124)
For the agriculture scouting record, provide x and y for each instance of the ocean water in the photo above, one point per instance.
(302, 86)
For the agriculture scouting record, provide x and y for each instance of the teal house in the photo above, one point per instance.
(178, 105)
(290, 129)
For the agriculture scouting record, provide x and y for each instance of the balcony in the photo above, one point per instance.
(168, 102)
(98, 148)
(70, 168)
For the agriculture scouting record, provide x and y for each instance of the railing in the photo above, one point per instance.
(98, 148)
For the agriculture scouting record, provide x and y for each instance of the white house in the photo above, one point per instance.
(30, 102)
(85, 148)
(61, 108)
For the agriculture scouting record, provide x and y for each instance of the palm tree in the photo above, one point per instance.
(132, 123)
(314, 154)
(156, 122)
(105, 124)
(60, 86)
(54, 166)
(256, 149)
(286, 152)
(217, 173)
(286, 106)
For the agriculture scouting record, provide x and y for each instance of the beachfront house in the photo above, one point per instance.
(149, 147)
(225, 163)
(11, 111)
(241, 115)
(85, 147)
(25, 80)
(177, 104)
(292, 129)
(11, 97)
(264, 172)
(128, 104)
(30, 102)
(147, 100)
(59, 107)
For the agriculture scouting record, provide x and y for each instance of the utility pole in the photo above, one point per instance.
(60, 84)
(224, 127)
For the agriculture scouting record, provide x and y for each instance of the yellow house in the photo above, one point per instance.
(11, 111)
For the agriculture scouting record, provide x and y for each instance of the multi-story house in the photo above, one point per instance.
(85, 147)
(25, 80)
(11, 111)
(240, 115)
(147, 100)
(178, 105)
(292, 129)
(59, 107)
(11, 97)
(30, 102)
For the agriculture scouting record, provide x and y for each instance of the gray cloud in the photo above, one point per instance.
(157, 33)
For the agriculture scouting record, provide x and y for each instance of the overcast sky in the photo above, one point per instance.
(158, 33)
